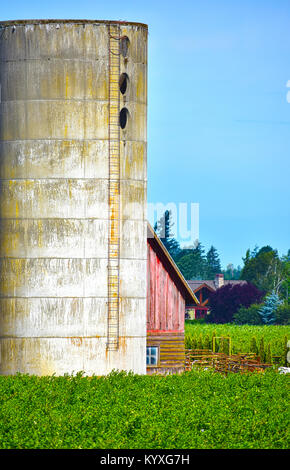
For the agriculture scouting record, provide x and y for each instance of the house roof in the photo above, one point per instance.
(195, 285)
(170, 265)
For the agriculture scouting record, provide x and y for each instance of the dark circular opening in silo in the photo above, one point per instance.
(123, 82)
(124, 45)
(124, 113)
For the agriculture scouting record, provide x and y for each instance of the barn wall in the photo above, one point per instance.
(165, 316)
(165, 303)
(171, 352)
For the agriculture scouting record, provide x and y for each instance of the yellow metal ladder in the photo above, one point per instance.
(114, 189)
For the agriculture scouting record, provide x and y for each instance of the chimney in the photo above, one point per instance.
(219, 280)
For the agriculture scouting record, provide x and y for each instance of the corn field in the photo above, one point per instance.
(269, 343)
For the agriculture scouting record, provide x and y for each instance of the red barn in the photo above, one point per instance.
(167, 295)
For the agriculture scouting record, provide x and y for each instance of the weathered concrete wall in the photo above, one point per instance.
(54, 199)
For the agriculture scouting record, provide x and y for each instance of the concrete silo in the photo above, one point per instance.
(73, 196)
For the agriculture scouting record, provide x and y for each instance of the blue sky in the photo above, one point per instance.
(218, 116)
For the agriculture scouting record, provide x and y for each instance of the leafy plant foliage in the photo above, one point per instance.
(199, 410)
(267, 271)
(226, 301)
(248, 315)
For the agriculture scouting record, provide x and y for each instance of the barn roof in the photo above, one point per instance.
(170, 265)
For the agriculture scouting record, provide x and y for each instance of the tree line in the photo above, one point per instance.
(263, 299)
(194, 262)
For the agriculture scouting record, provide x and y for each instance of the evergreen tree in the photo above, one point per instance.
(247, 258)
(192, 262)
(267, 312)
(213, 263)
(200, 261)
(185, 264)
(163, 228)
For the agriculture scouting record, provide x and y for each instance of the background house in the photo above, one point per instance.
(201, 290)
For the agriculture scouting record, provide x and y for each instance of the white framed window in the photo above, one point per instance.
(152, 355)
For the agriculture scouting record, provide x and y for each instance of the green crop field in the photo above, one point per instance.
(194, 410)
(241, 336)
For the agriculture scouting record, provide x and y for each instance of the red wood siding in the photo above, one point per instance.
(165, 303)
